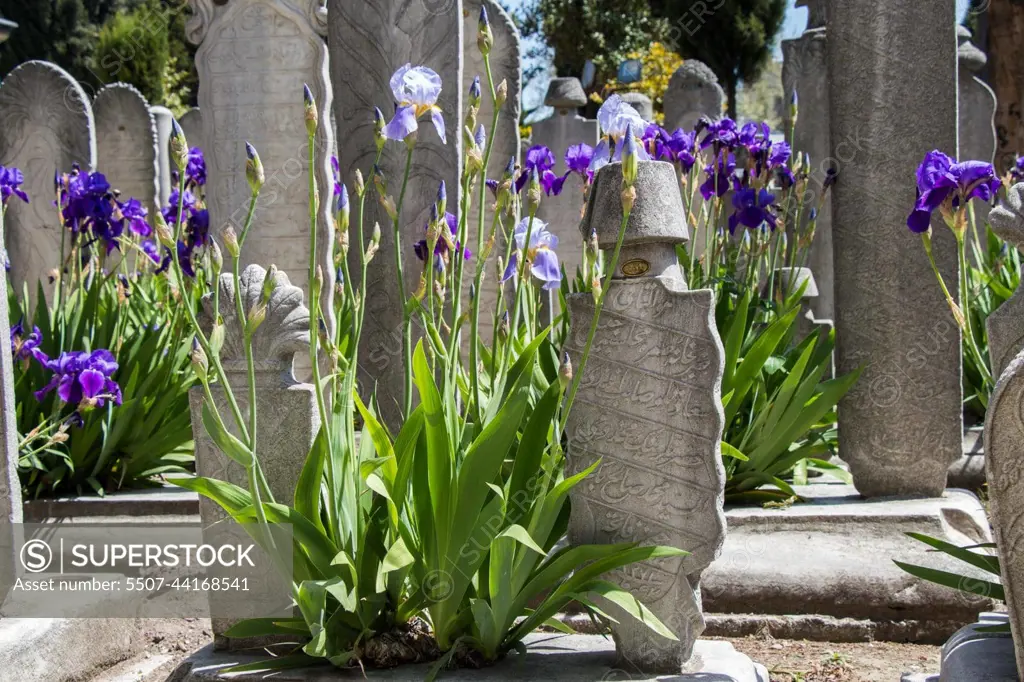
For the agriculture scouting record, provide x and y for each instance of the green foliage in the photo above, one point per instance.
(133, 47)
(116, 447)
(733, 37)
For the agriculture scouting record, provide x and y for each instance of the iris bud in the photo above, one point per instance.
(216, 256)
(474, 92)
(360, 184)
(565, 371)
(230, 241)
(379, 181)
(254, 173)
(200, 363)
(379, 124)
(442, 199)
(312, 116)
(257, 316)
(344, 210)
(178, 146)
(501, 94)
(390, 208)
(534, 193)
(794, 107)
(630, 159)
(217, 337)
(269, 284)
(484, 36)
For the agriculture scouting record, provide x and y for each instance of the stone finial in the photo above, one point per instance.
(657, 215)
(816, 16)
(283, 333)
(968, 54)
(641, 102)
(565, 94)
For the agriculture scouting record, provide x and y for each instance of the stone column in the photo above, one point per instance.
(890, 66)
(126, 144)
(693, 92)
(164, 121)
(371, 39)
(1006, 323)
(286, 412)
(253, 58)
(564, 129)
(649, 406)
(46, 125)
(805, 72)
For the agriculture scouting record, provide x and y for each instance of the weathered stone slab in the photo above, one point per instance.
(253, 59)
(191, 123)
(890, 68)
(1004, 439)
(10, 484)
(1006, 323)
(566, 658)
(767, 569)
(693, 92)
(164, 122)
(371, 40)
(126, 144)
(641, 102)
(649, 405)
(286, 412)
(805, 72)
(46, 125)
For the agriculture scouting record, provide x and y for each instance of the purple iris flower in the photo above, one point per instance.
(681, 146)
(655, 140)
(195, 170)
(170, 211)
(24, 348)
(539, 158)
(11, 180)
(717, 181)
(944, 184)
(753, 209)
(336, 174)
(83, 379)
(441, 248)
(135, 213)
(616, 116)
(541, 254)
(416, 90)
(578, 158)
(152, 251)
(1017, 172)
(721, 133)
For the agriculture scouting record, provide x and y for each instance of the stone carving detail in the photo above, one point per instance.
(126, 143)
(565, 94)
(693, 91)
(371, 39)
(253, 59)
(46, 124)
(649, 407)
(1006, 323)
(1004, 440)
(901, 425)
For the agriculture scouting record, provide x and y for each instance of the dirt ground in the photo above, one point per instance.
(168, 642)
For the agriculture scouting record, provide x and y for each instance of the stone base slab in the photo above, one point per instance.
(165, 504)
(63, 649)
(565, 658)
(833, 556)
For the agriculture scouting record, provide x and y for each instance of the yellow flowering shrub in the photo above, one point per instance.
(659, 63)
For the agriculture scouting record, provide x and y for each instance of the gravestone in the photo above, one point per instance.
(1006, 323)
(564, 129)
(805, 72)
(164, 122)
(649, 406)
(977, 106)
(46, 125)
(286, 410)
(126, 144)
(787, 282)
(641, 102)
(253, 59)
(371, 40)
(506, 60)
(890, 67)
(191, 123)
(10, 484)
(1004, 439)
(693, 92)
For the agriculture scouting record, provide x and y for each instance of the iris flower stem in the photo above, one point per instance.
(986, 374)
(598, 306)
(240, 312)
(520, 290)
(400, 273)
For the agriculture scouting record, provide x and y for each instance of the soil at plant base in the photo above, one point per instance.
(803, 661)
(168, 642)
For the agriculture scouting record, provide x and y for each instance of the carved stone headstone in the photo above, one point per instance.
(564, 129)
(164, 122)
(805, 72)
(890, 66)
(286, 411)
(191, 123)
(649, 405)
(693, 92)
(1004, 441)
(506, 64)
(253, 59)
(1006, 323)
(641, 102)
(10, 485)
(371, 39)
(46, 125)
(126, 143)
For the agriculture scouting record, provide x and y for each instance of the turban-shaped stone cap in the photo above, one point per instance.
(565, 93)
(657, 216)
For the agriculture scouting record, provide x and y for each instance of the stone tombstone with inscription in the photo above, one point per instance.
(1006, 323)
(649, 406)
(254, 57)
(164, 119)
(46, 125)
(564, 129)
(126, 144)
(693, 92)
(506, 64)
(191, 123)
(805, 73)
(1004, 441)
(286, 410)
(370, 40)
(901, 425)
